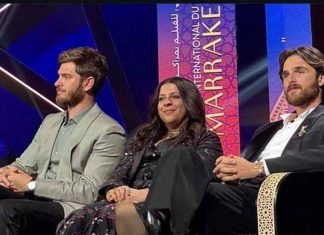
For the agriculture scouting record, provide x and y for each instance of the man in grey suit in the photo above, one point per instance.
(71, 155)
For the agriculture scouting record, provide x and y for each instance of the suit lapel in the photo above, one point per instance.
(261, 139)
(65, 168)
(305, 126)
(310, 119)
(48, 145)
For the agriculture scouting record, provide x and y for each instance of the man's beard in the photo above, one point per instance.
(304, 97)
(70, 99)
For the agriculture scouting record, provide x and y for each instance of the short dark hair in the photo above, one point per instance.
(88, 62)
(311, 55)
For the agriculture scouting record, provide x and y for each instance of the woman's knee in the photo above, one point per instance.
(124, 209)
(128, 221)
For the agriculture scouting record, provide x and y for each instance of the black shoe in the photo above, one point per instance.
(156, 224)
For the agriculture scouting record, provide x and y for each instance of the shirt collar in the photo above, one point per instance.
(287, 117)
(78, 117)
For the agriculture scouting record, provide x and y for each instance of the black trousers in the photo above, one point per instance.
(178, 186)
(229, 209)
(28, 214)
(193, 197)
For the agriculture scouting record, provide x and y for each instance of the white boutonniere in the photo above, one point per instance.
(302, 131)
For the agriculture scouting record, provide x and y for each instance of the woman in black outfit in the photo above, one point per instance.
(176, 131)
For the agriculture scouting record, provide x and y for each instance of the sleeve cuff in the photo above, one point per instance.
(266, 170)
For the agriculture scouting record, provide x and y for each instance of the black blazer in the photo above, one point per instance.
(303, 152)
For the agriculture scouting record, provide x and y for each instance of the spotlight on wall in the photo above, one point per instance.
(30, 88)
(5, 7)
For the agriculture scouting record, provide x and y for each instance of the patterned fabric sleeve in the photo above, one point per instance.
(209, 148)
(119, 175)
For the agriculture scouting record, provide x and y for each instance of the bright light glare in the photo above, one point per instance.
(30, 88)
(5, 7)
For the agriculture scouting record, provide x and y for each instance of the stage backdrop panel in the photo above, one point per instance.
(288, 26)
(198, 42)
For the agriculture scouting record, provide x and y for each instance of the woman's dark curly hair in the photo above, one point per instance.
(155, 129)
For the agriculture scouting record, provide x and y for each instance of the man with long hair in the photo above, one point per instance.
(228, 207)
(293, 144)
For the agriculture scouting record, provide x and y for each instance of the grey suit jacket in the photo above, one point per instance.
(91, 153)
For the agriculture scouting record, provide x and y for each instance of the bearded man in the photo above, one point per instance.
(293, 144)
(71, 155)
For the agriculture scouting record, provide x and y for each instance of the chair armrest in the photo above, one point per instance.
(266, 203)
(291, 203)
